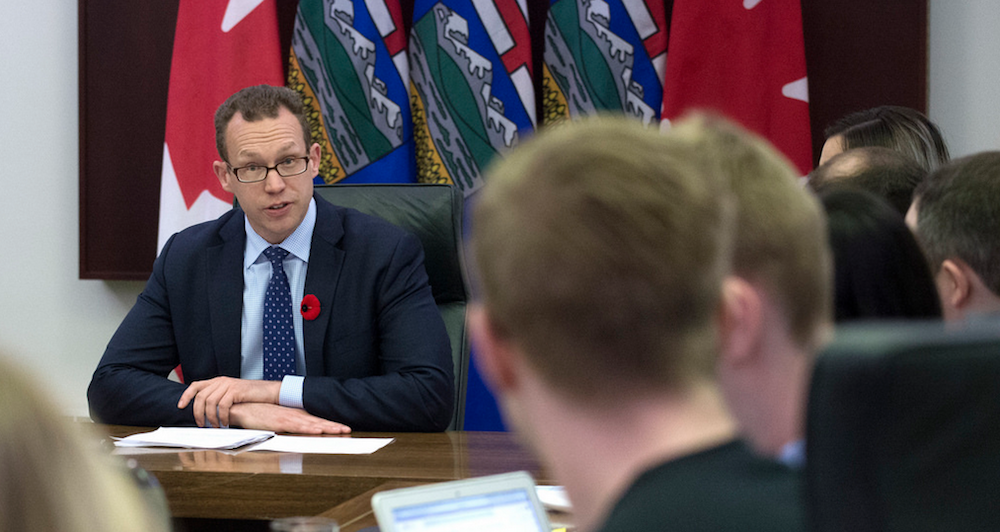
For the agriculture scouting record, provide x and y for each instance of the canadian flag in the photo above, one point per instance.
(745, 59)
(219, 48)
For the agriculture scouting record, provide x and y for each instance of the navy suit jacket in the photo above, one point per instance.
(377, 356)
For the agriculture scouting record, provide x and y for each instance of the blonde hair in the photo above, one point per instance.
(53, 475)
(600, 247)
(781, 239)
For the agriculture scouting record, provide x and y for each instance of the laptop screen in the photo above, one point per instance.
(488, 512)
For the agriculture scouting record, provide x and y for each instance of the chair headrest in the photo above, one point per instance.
(903, 428)
(433, 213)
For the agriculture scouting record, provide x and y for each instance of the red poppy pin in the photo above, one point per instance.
(310, 307)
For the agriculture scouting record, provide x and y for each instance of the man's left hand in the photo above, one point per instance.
(211, 399)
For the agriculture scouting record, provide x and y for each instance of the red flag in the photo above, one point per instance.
(745, 59)
(219, 48)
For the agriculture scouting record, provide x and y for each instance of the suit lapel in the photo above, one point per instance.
(225, 277)
(326, 258)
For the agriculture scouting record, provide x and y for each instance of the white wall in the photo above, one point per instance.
(58, 325)
(964, 73)
(53, 323)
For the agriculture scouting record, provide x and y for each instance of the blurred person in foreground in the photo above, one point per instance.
(602, 249)
(54, 476)
(781, 298)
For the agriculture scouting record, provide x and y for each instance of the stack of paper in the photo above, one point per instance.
(195, 438)
(228, 439)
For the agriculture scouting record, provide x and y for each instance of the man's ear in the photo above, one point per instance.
(913, 215)
(221, 170)
(314, 153)
(494, 354)
(954, 283)
(741, 318)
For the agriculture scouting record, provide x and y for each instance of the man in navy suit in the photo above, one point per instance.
(370, 351)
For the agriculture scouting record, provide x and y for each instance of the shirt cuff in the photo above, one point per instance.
(291, 391)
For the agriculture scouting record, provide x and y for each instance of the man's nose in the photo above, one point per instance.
(273, 182)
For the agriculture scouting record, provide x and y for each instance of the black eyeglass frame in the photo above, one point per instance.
(267, 169)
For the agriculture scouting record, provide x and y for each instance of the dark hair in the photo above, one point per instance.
(902, 129)
(958, 215)
(254, 103)
(886, 173)
(879, 268)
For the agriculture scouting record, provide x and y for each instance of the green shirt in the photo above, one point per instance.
(720, 489)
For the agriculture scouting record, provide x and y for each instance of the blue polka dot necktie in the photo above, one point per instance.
(279, 333)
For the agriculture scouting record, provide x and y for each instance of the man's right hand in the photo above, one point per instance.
(212, 398)
(279, 418)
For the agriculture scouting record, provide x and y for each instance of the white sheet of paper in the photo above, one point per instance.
(195, 438)
(320, 445)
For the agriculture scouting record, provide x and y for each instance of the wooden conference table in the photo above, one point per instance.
(266, 485)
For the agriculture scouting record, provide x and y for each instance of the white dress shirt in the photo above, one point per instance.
(256, 275)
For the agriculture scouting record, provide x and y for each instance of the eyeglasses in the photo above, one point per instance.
(287, 167)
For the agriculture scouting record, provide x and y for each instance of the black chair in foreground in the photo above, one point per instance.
(903, 429)
(433, 213)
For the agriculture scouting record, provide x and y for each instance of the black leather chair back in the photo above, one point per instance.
(433, 213)
(903, 429)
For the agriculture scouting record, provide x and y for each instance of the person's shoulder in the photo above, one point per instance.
(212, 227)
(726, 487)
(205, 234)
(716, 466)
(733, 469)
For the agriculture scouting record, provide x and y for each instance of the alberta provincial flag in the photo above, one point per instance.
(604, 55)
(745, 59)
(349, 63)
(471, 86)
(219, 48)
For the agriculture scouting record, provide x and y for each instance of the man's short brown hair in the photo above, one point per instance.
(254, 103)
(781, 239)
(958, 215)
(601, 247)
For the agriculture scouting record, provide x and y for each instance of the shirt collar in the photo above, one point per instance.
(793, 454)
(298, 243)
